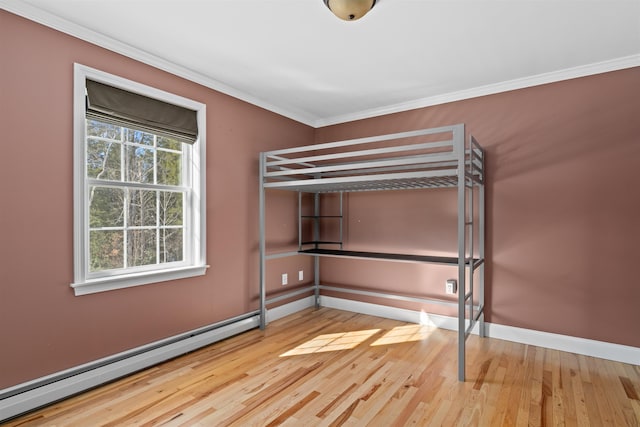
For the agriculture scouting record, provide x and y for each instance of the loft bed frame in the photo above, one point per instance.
(421, 159)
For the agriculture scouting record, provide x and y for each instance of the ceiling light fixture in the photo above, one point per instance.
(350, 10)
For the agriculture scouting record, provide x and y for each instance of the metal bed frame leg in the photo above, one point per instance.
(459, 138)
(316, 280)
(316, 259)
(263, 308)
(481, 254)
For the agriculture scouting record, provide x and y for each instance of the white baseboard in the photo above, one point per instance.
(71, 382)
(290, 308)
(601, 349)
(587, 347)
(49, 389)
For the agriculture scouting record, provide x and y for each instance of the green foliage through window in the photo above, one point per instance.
(136, 198)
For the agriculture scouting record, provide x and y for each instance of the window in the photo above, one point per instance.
(138, 184)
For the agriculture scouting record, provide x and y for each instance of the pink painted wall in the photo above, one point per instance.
(44, 328)
(563, 196)
(562, 210)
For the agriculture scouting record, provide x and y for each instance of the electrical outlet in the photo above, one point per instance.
(300, 275)
(285, 279)
(451, 287)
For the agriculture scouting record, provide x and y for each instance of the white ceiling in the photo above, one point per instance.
(295, 58)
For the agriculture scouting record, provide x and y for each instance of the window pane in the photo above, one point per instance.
(171, 244)
(106, 207)
(103, 130)
(106, 250)
(169, 168)
(139, 164)
(170, 143)
(138, 136)
(141, 208)
(138, 205)
(171, 208)
(141, 248)
(103, 160)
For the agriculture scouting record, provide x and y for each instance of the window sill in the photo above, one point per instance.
(104, 284)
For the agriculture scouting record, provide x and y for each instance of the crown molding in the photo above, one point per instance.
(47, 19)
(491, 89)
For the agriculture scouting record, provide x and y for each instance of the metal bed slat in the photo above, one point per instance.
(366, 140)
(360, 153)
(413, 167)
(364, 166)
(389, 295)
(299, 162)
(290, 294)
(363, 187)
(328, 182)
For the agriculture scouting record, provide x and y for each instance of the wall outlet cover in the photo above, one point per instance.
(451, 287)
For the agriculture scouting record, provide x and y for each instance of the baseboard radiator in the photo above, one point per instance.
(43, 391)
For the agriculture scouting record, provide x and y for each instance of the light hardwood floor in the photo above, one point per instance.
(329, 368)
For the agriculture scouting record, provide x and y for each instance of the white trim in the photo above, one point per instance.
(290, 308)
(121, 364)
(92, 286)
(113, 367)
(194, 263)
(45, 18)
(127, 362)
(72, 383)
(491, 89)
(52, 21)
(587, 347)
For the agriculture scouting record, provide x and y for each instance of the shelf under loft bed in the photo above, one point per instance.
(321, 242)
(384, 256)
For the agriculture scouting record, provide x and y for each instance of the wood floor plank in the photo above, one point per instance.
(601, 385)
(334, 368)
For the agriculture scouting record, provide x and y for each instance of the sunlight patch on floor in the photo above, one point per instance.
(332, 342)
(401, 334)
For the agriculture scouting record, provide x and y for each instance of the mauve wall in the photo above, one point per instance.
(563, 196)
(44, 328)
(562, 210)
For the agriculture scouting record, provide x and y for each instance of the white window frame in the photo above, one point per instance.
(195, 263)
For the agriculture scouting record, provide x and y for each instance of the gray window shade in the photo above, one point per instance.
(112, 105)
